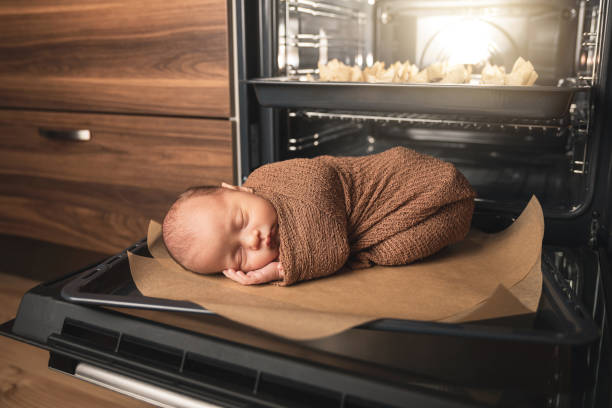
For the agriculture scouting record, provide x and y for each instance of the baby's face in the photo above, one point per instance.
(232, 229)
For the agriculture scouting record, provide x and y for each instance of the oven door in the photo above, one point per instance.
(188, 359)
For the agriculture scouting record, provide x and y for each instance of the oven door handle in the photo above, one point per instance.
(137, 389)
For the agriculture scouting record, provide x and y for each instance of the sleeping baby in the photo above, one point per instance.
(302, 219)
(228, 229)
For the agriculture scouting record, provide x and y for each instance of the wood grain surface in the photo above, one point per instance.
(137, 56)
(101, 194)
(25, 380)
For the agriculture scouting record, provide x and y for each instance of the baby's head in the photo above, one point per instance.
(209, 229)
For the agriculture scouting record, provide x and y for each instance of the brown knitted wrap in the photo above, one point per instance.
(390, 208)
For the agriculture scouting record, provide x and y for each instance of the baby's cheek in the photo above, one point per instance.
(261, 259)
(274, 255)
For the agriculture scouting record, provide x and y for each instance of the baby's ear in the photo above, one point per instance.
(246, 189)
(237, 188)
(229, 186)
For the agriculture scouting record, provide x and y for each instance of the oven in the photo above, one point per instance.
(509, 142)
(551, 140)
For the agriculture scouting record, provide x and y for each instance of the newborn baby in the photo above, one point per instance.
(301, 219)
(228, 229)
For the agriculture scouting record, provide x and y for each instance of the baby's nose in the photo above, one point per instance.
(254, 240)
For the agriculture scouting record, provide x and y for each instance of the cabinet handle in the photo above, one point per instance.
(81, 135)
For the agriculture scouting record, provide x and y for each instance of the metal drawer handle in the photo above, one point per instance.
(81, 135)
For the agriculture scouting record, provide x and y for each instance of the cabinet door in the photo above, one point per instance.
(100, 194)
(136, 56)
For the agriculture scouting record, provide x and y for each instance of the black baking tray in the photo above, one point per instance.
(559, 319)
(533, 102)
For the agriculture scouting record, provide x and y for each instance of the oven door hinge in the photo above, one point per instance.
(594, 230)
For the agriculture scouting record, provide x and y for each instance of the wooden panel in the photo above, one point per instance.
(100, 194)
(138, 56)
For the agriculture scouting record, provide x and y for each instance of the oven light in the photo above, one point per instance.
(468, 42)
(369, 60)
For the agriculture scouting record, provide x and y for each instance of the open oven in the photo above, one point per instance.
(551, 139)
(511, 142)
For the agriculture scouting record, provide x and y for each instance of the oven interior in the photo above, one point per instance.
(506, 159)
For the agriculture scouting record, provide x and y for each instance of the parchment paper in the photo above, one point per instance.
(484, 276)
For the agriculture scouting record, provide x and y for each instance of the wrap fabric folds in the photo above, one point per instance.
(390, 208)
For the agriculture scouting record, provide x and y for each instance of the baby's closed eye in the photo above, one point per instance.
(240, 220)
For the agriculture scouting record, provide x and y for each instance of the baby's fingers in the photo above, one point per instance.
(260, 276)
(269, 273)
(233, 275)
(240, 277)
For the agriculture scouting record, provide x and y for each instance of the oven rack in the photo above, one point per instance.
(571, 130)
(318, 41)
(323, 136)
(557, 126)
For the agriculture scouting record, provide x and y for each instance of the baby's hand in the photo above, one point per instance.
(271, 272)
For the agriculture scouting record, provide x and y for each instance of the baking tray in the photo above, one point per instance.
(535, 102)
(559, 320)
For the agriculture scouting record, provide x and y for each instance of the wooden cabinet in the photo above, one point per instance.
(101, 193)
(150, 82)
(136, 56)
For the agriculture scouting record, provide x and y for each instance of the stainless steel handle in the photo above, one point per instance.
(137, 389)
(80, 135)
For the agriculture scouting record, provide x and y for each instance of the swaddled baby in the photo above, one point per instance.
(301, 219)
(228, 229)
